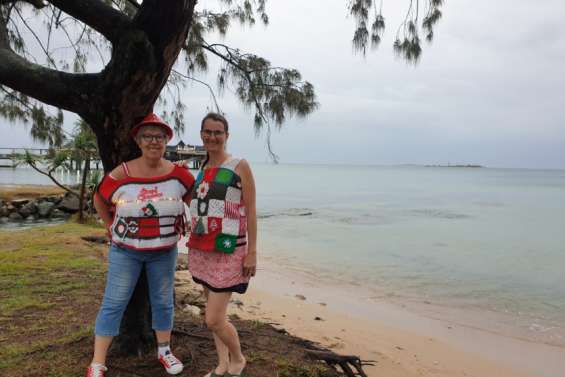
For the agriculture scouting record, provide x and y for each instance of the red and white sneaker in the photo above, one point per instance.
(171, 363)
(96, 370)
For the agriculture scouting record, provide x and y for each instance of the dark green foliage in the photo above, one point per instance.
(45, 127)
(273, 94)
(407, 43)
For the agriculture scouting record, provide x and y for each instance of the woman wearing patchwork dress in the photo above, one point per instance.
(142, 204)
(222, 253)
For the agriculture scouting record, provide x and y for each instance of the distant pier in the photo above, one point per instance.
(193, 154)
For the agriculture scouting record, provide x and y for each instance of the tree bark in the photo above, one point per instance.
(140, 66)
(141, 62)
(144, 50)
(83, 189)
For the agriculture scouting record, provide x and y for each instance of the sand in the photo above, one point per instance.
(402, 342)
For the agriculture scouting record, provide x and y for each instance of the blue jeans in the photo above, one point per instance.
(124, 268)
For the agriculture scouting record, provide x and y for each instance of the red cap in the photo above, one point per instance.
(153, 120)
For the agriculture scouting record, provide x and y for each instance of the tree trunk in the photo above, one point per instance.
(83, 189)
(144, 50)
(141, 63)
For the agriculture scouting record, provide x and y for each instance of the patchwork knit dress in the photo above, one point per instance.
(218, 237)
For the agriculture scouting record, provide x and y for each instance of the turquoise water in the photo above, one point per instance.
(486, 239)
(483, 239)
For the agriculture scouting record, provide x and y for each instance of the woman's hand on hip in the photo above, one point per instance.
(250, 264)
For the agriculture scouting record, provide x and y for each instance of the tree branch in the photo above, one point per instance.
(97, 14)
(212, 94)
(52, 179)
(56, 88)
(38, 40)
(36, 3)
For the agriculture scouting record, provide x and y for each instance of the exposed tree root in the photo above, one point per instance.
(345, 362)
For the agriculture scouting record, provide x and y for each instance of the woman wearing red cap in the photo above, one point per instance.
(142, 204)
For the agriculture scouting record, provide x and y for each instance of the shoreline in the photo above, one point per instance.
(404, 340)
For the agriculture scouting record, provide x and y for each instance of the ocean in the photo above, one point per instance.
(488, 242)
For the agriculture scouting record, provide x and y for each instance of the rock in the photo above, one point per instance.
(300, 297)
(192, 309)
(4, 220)
(4, 212)
(318, 319)
(69, 203)
(28, 209)
(31, 218)
(14, 216)
(45, 208)
(53, 199)
(20, 202)
(182, 264)
(58, 214)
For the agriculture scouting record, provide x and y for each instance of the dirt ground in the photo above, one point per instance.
(51, 283)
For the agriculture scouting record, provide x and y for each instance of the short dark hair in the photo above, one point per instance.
(216, 117)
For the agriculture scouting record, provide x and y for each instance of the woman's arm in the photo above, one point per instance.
(248, 194)
(103, 211)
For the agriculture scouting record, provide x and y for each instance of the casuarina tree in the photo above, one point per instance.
(109, 60)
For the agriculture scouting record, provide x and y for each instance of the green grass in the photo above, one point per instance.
(47, 279)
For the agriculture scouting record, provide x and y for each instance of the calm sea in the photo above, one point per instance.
(490, 240)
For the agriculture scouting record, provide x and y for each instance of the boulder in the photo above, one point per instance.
(45, 208)
(31, 218)
(58, 214)
(14, 216)
(53, 199)
(20, 202)
(69, 203)
(4, 212)
(28, 209)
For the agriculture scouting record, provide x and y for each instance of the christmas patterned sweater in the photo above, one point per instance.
(148, 212)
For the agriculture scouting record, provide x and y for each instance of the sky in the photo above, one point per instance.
(489, 90)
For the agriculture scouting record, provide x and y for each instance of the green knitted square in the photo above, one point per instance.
(224, 176)
(226, 243)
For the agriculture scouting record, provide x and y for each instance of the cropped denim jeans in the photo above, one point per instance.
(124, 269)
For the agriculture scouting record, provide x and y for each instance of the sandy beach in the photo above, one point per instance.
(401, 342)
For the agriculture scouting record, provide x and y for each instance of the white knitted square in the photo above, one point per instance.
(230, 226)
(233, 195)
(193, 207)
(216, 208)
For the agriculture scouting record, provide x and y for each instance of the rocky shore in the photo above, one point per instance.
(44, 207)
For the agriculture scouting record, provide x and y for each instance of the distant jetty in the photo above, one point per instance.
(455, 166)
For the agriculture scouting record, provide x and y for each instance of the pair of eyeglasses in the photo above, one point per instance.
(212, 132)
(149, 138)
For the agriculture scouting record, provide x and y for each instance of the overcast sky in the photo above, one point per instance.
(489, 90)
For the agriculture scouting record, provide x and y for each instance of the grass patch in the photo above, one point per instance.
(28, 191)
(51, 282)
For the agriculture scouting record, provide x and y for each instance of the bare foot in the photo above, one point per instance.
(236, 366)
(220, 371)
